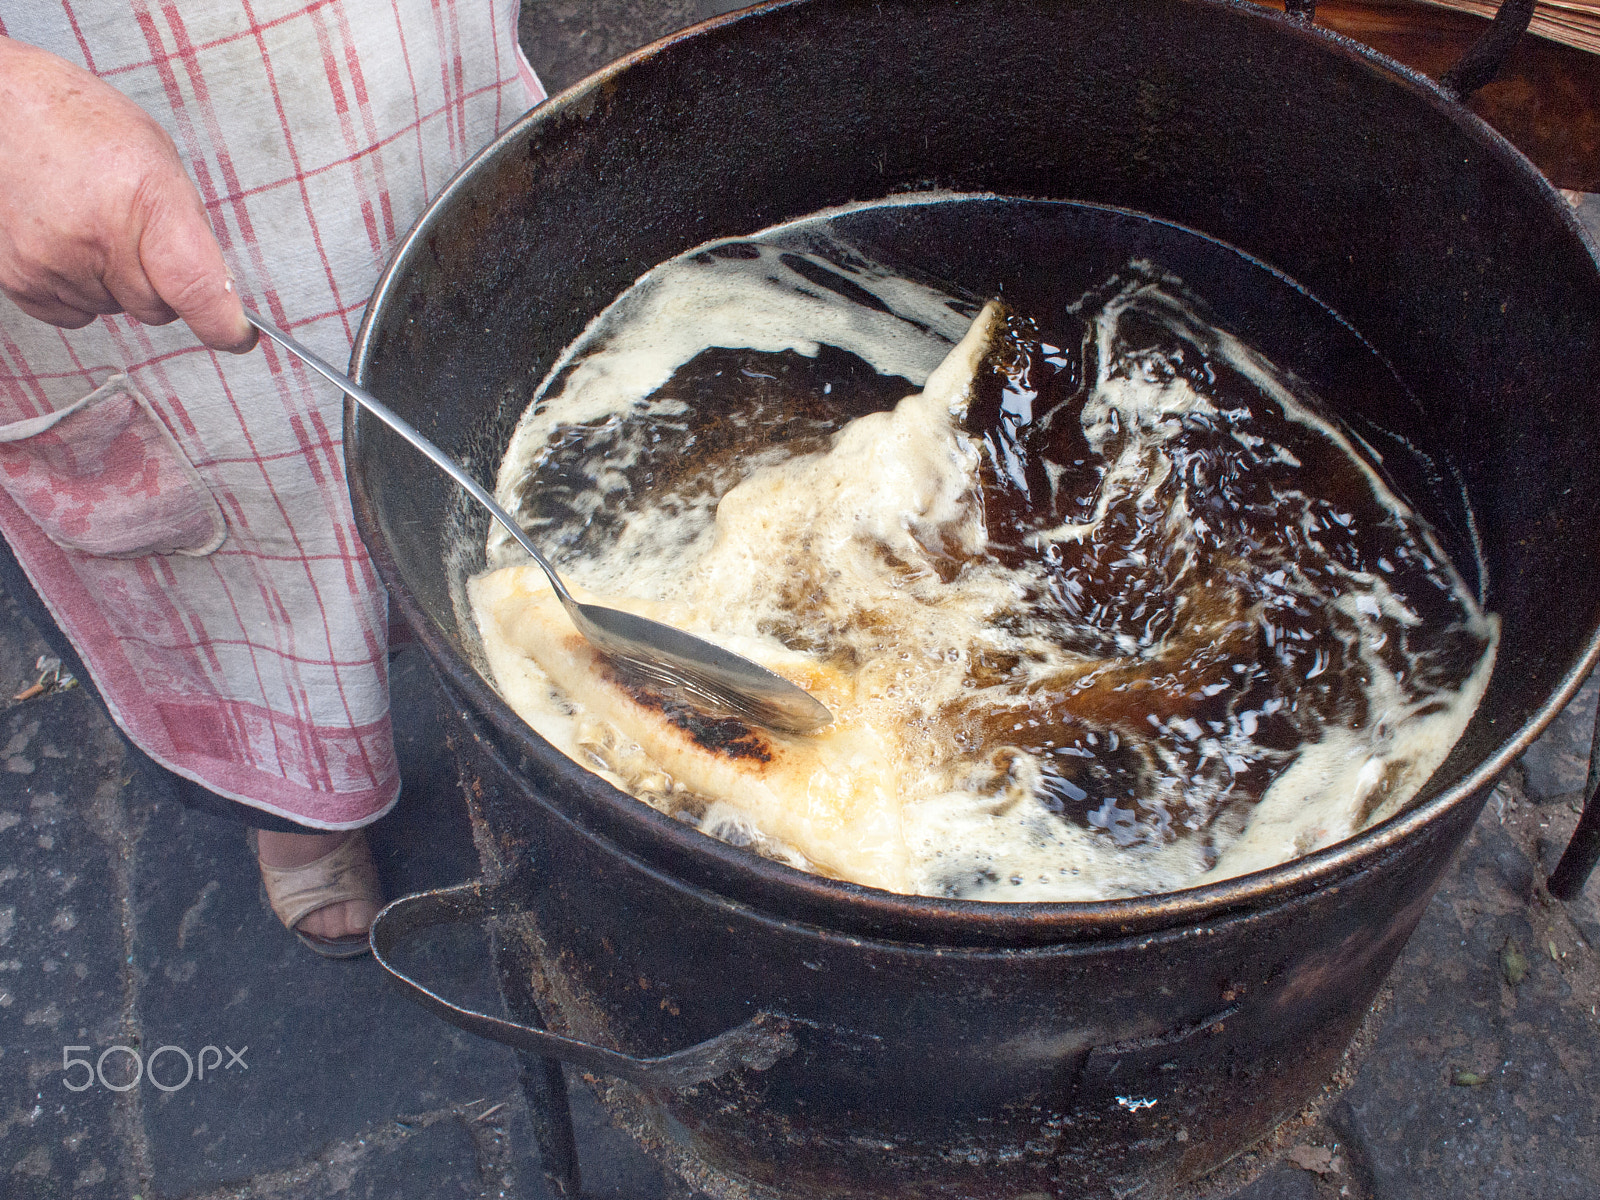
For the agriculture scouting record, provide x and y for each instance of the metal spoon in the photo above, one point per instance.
(707, 675)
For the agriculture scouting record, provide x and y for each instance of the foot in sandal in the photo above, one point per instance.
(322, 886)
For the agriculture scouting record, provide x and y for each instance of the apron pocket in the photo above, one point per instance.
(105, 476)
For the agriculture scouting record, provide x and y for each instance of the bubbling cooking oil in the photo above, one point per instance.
(1128, 609)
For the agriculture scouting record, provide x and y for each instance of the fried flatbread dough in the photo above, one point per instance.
(833, 795)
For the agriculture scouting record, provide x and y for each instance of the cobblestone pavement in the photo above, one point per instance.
(132, 930)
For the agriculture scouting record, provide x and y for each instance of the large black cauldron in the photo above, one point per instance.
(857, 1043)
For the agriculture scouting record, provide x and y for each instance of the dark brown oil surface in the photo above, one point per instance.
(1204, 605)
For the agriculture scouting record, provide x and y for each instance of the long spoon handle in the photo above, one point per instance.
(401, 426)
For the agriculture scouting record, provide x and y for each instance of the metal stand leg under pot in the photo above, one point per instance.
(1583, 850)
(545, 1088)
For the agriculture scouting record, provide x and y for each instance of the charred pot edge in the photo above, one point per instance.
(757, 1044)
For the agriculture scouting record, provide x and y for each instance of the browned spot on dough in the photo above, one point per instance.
(728, 736)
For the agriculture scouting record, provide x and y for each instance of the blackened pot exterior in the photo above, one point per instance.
(1104, 1068)
(957, 1048)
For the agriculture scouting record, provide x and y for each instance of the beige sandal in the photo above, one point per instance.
(345, 873)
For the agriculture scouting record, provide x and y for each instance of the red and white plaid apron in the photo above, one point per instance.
(184, 513)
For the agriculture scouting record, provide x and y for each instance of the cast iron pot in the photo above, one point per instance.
(799, 1037)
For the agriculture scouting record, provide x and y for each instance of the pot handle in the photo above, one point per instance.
(757, 1044)
(1483, 59)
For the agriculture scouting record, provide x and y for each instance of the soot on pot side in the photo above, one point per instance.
(1114, 607)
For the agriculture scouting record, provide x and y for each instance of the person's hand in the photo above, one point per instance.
(96, 213)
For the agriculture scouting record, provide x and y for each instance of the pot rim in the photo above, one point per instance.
(774, 885)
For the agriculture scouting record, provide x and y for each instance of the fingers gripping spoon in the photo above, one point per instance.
(706, 675)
